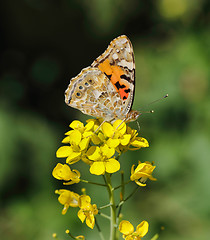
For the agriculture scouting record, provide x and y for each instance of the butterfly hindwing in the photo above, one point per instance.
(92, 93)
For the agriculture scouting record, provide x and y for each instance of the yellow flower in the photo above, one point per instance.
(102, 160)
(142, 172)
(87, 131)
(80, 237)
(78, 140)
(64, 172)
(127, 229)
(77, 125)
(68, 199)
(72, 153)
(116, 133)
(134, 142)
(87, 211)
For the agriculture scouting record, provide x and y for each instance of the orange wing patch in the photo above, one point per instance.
(117, 77)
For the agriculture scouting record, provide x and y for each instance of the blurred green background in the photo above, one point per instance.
(46, 42)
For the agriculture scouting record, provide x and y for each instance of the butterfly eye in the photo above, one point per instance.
(80, 87)
(86, 84)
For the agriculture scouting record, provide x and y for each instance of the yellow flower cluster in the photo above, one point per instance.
(97, 145)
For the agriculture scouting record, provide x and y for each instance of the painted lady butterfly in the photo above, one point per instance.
(106, 88)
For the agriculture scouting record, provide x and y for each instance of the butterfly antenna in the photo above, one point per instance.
(155, 102)
(151, 111)
(138, 125)
(158, 99)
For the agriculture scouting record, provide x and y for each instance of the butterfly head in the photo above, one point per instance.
(132, 116)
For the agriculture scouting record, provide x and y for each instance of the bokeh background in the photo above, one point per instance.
(46, 42)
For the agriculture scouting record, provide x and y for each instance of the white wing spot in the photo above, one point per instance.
(115, 56)
(127, 64)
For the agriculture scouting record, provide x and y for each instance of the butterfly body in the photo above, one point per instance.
(106, 88)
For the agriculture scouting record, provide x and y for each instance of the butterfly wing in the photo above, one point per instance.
(93, 94)
(106, 89)
(117, 63)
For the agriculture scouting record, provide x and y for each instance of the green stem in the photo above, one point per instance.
(112, 208)
(121, 202)
(134, 191)
(122, 193)
(99, 184)
(122, 185)
(105, 206)
(104, 215)
(68, 232)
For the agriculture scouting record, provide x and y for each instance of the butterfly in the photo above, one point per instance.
(106, 88)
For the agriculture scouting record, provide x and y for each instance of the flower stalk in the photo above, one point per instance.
(112, 208)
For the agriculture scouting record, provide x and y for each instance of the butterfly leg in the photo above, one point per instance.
(99, 126)
(138, 125)
(119, 126)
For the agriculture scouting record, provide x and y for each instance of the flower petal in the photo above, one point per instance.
(76, 124)
(80, 237)
(66, 140)
(84, 143)
(108, 130)
(126, 227)
(95, 139)
(101, 136)
(97, 168)
(69, 132)
(119, 126)
(64, 151)
(84, 201)
(142, 228)
(81, 215)
(89, 126)
(107, 151)
(75, 137)
(140, 142)
(94, 153)
(90, 221)
(112, 165)
(140, 183)
(125, 139)
(113, 143)
(74, 157)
